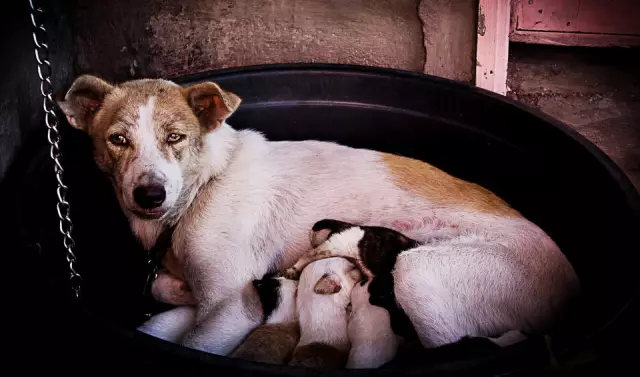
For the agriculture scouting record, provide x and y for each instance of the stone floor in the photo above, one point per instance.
(596, 91)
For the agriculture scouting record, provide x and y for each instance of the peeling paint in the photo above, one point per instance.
(482, 28)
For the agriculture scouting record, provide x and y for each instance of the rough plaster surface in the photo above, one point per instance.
(449, 28)
(595, 91)
(171, 38)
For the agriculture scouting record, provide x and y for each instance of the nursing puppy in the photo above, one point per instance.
(373, 342)
(242, 206)
(323, 297)
(274, 341)
(373, 249)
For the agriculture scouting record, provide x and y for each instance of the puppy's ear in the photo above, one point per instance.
(323, 229)
(83, 100)
(328, 284)
(211, 104)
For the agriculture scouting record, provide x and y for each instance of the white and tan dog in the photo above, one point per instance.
(243, 206)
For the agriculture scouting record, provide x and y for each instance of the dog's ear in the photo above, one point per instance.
(211, 104)
(83, 100)
(323, 229)
(328, 284)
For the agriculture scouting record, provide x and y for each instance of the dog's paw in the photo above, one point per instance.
(168, 289)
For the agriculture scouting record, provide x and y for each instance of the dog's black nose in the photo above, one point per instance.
(149, 197)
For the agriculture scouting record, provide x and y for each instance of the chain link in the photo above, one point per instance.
(53, 136)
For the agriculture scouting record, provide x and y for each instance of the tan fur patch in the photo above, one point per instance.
(319, 355)
(270, 343)
(444, 189)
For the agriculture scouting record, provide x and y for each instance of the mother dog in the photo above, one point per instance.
(243, 206)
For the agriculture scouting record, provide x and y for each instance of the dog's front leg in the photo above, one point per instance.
(171, 325)
(222, 325)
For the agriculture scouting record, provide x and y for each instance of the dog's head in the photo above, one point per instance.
(149, 136)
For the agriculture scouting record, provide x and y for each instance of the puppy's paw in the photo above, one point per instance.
(291, 273)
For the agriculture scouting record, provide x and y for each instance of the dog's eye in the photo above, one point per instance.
(118, 139)
(174, 138)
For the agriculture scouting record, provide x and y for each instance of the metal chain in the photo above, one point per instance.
(53, 136)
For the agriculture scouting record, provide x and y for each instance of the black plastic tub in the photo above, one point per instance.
(543, 168)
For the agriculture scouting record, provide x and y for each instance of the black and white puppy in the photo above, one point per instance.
(374, 250)
(273, 342)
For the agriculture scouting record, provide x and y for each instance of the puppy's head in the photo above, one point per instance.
(149, 136)
(277, 296)
(340, 275)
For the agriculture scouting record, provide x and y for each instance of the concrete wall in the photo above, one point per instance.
(168, 38)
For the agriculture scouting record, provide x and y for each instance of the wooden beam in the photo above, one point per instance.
(492, 56)
(449, 28)
(574, 39)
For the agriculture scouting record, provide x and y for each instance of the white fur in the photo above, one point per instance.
(171, 325)
(323, 317)
(509, 338)
(373, 342)
(503, 289)
(286, 311)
